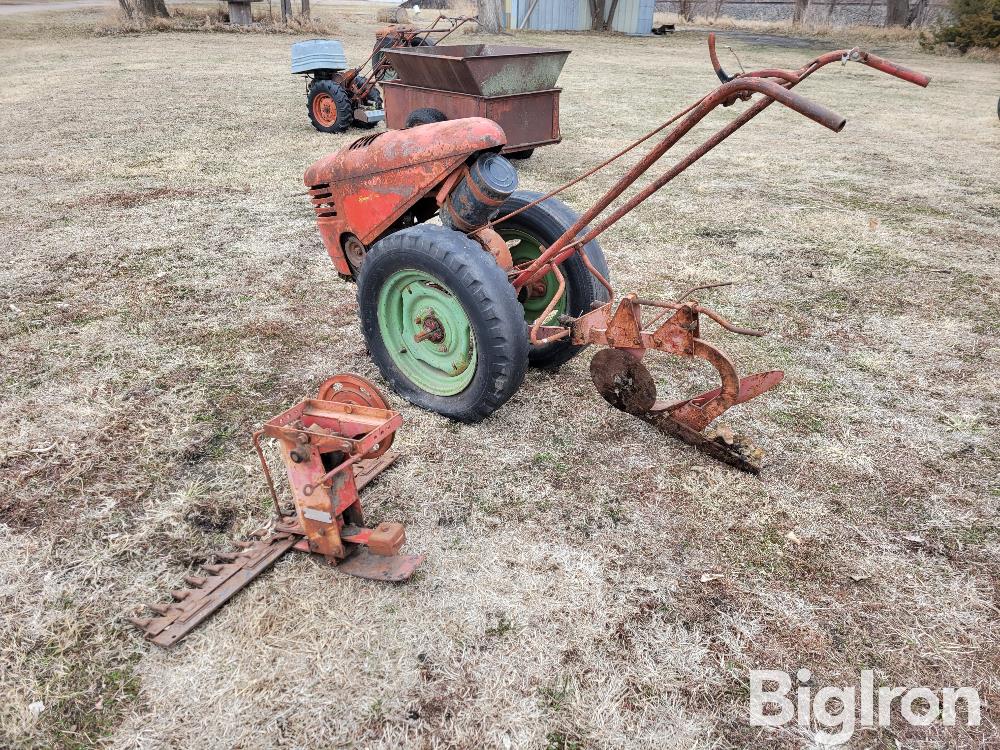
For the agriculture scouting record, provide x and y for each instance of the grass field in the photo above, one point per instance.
(589, 583)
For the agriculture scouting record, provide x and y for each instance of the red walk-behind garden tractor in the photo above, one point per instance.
(339, 97)
(453, 314)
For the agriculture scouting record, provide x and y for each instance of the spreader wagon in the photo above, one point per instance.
(513, 86)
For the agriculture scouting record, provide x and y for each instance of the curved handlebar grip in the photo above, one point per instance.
(817, 112)
(887, 66)
(716, 65)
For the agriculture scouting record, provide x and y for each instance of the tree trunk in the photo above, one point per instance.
(306, 10)
(916, 14)
(896, 12)
(596, 15)
(685, 9)
(610, 22)
(799, 10)
(490, 15)
(151, 8)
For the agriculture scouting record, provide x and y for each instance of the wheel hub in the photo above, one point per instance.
(355, 251)
(433, 330)
(534, 297)
(427, 332)
(325, 109)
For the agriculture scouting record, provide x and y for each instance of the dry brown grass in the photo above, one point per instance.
(860, 34)
(164, 290)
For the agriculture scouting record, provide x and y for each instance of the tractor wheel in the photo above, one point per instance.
(424, 116)
(374, 101)
(442, 322)
(526, 234)
(329, 107)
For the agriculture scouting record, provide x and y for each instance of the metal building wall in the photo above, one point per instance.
(632, 16)
(553, 15)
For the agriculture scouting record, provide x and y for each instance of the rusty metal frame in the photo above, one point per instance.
(741, 86)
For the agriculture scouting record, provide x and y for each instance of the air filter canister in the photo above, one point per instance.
(479, 195)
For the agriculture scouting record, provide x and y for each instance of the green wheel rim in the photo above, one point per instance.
(524, 251)
(405, 300)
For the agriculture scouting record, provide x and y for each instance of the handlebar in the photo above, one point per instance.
(887, 66)
(714, 57)
(793, 76)
(817, 112)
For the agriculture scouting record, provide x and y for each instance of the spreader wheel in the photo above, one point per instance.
(526, 234)
(424, 116)
(442, 322)
(330, 107)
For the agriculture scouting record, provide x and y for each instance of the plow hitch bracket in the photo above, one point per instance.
(332, 445)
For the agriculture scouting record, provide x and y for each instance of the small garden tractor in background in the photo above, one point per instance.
(453, 314)
(338, 96)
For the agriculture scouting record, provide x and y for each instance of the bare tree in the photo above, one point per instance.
(799, 10)
(596, 14)
(896, 12)
(146, 8)
(491, 18)
(917, 13)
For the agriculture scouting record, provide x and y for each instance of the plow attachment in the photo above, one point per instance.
(625, 383)
(333, 446)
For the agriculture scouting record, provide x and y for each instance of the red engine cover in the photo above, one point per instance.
(364, 188)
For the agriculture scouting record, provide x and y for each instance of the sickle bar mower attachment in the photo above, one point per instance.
(332, 446)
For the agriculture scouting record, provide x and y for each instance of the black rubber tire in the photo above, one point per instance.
(546, 222)
(345, 112)
(485, 294)
(424, 116)
(374, 101)
(526, 154)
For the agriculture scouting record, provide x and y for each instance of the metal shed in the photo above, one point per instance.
(631, 16)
